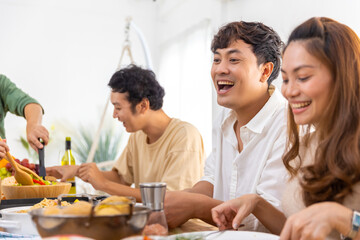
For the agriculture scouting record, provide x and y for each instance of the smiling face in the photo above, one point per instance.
(307, 84)
(123, 112)
(237, 77)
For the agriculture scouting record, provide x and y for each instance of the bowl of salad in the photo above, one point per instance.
(41, 189)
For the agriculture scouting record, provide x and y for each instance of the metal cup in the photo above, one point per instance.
(153, 195)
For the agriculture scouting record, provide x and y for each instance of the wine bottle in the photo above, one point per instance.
(68, 159)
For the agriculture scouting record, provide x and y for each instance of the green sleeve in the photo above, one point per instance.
(12, 99)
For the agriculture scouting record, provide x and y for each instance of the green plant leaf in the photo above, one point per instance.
(32, 154)
(25, 144)
(108, 145)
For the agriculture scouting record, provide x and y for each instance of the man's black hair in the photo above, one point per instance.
(138, 83)
(266, 43)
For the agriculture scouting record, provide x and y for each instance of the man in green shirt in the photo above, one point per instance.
(14, 100)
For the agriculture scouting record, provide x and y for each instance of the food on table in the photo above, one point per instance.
(3, 168)
(45, 203)
(114, 199)
(80, 208)
(190, 238)
(113, 205)
(7, 181)
(25, 162)
(12, 181)
(50, 178)
(3, 162)
(155, 229)
(4, 173)
(6, 170)
(67, 237)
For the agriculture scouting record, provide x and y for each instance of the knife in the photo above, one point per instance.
(42, 171)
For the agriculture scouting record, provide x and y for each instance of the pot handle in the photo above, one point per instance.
(9, 224)
(91, 198)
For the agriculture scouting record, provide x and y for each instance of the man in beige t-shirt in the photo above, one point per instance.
(175, 158)
(160, 148)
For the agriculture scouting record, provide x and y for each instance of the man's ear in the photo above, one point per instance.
(267, 69)
(144, 105)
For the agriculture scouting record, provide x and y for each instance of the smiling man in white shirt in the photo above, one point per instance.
(249, 136)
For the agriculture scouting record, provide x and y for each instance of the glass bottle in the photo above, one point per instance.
(68, 159)
(153, 195)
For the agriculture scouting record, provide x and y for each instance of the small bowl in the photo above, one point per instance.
(35, 191)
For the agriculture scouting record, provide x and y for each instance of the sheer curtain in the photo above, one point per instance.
(184, 72)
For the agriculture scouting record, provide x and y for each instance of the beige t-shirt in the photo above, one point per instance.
(176, 158)
(292, 201)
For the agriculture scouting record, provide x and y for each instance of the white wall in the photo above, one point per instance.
(184, 35)
(284, 15)
(177, 17)
(63, 53)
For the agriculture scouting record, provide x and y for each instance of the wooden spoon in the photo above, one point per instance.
(20, 175)
(25, 169)
(29, 171)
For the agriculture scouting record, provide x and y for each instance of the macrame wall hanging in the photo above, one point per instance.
(125, 49)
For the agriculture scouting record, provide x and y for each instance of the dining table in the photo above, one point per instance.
(193, 225)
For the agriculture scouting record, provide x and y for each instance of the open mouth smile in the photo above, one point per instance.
(300, 105)
(224, 86)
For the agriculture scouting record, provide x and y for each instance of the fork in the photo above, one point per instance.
(213, 234)
(218, 233)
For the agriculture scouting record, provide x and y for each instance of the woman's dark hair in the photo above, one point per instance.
(336, 167)
(138, 83)
(266, 43)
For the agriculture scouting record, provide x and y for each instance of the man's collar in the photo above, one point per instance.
(258, 122)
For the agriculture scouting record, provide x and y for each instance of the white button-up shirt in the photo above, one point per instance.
(258, 168)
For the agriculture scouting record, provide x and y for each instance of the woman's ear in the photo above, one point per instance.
(267, 69)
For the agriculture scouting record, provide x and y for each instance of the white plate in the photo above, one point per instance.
(19, 223)
(13, 210)
(227, 235)
(230, 235)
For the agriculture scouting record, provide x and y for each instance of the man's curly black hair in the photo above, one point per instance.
(138, 83)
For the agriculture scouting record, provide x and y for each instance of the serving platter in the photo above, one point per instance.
(9, 203)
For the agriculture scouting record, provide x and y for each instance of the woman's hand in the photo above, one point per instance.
(231, 213)
(317, 221)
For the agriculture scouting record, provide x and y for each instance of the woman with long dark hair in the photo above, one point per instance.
(321, 81)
